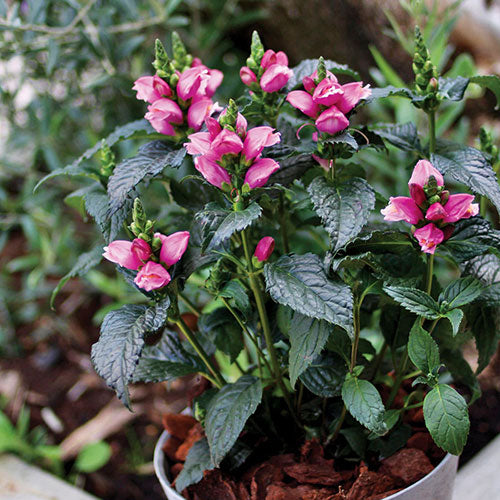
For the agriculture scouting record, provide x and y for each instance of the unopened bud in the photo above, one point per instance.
(445, 195)
(321, 69)
(156, 244)
(256, 49)
(434, 199)
(178, 50)
(161, 62)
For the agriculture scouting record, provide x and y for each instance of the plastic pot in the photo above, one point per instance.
(437, 485)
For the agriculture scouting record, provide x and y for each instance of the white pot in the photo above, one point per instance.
(437, 485)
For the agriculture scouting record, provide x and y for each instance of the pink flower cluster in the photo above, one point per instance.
(432, 211)
(328, 102)
(194, 90)
(220, 147)
(276, 72)
(138, 256)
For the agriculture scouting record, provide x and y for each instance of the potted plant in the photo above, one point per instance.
(326, 321)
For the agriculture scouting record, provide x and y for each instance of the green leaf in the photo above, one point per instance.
(415, 301)
(92, 457)
(468, 166)
(472, 238)
(325, 376)
(486, 268)
(395, 323)
(461, 371)
(166, 360)
(308, 66)
(491, 82)
(235, 291)
(116, 354)
(446, 417)
(219, 224)
(193, 194)
(364, 403)
(83, 264)
(404, 136)
(342, 138)
(307, 339)
(228, 412)
(197, 462)
(291, 168)
(138, 128)
(460, 292)
(344, 209)
(455, 316)
(453, 88)
(423, 350)
(151, 160)
(300, 282)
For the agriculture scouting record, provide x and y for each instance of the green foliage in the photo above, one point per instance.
(92, 457)
(325, 376)
(423, 350)
(197, 462)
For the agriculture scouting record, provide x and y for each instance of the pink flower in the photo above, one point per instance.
(247, 75)
(303, 102)
(162, 113)
(264, 248)
(197, 113)
(141, 249)
(213, 127)
(331, 121)
(352, 93)
(309, 82)
(152, 276)
(270, 57)
(429, 237)
(214, 81)
(402, 208)
(173, 246)
(435, 212)
(420, 177)
(275, 78)
(193, 81)
(328, 92)
(199, 143)
(257, 139)
(324, 163)
(120, 252)
(226, 143)
(258, 174)
(211, 171)
(151, 88)
(241, 125)
(460, 206)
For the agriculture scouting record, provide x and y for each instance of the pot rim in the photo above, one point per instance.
(159, 466)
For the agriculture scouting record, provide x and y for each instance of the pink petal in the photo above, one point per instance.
(264, 248)
(435, 212)
(197, 113)
(429, 237)
(275, 78)
(211, 171)
(173, 246)
(247, 75)
(152, 276)
(421, 173)
(353, 93)
(227, 142)
(257, 139)
(460, 206)
(402, 208)
(303, 102)
(120, 252)
(258, 174)
(327, 92)
(331, 121)
(193, 81)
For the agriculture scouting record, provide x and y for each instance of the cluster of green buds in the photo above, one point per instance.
(107, 160)
(435, 193)
(426, 76)
(228, 119)
(256, 54)
(142, 227)
(487, 146)
(321, 70)
(167, 68)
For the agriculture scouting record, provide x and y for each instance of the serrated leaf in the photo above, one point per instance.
(423, 350)
(228, 412)
(83, 264)
(486, 268)
(452, 88)
(344, 209)
(404, 136)
(235, 291)
(308, 336)
(455, 316)
(460, 292)
(121, 342)
(197, 462)
(472, 238)
(395, 323)
(151, 160)
(325, 376)
(447, 418)
(461, 371)
(468, 166)
(291, 168)
(193, 194)
(491, 82)
(414, 300)
(364, 403)
(219, 224)
(342, 138)
(166, 360)
(300, 282)
(308, 66)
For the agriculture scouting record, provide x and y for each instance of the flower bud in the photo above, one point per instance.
(434, 199)
(107, 160)
(445, 195)
(256, 49)
(156, 243)
(161, 62)
(178, 50)
(321, 69)
(264, 248)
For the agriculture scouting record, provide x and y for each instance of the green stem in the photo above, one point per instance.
(399, 379)
(189, 304)
(338, 426)
(430, 272)
(483, 205)
(432, 131)
(357, 331)
(284, 233)
(200, 351)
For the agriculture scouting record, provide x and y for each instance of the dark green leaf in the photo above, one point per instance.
(116, 354)
(308, 66)
(291, 168)
(197, 462)
(364, 403)
(455, 316)
(486, 268)
(300, 282)
(468, 166)
(414, 300)
(453, 89)
(83, 264)
(344, 209)
(462, 372)
(460, 292)
(308, 336)
(404, 136)
(342, 138)
(447, 418)
(395, 440)
(423, 350)
(228, 412)
(193, 194)
(235, 291)
(491, 82)
(395, 323)
(325, 376)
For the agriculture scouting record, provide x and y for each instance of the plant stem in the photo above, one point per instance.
(483, 206)
(399, 379)
(338, 426)
(284, 234)
(357, 330)
(430, 272)
(189, 304)
(200, 351)
(378, 360)
(432, 131)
